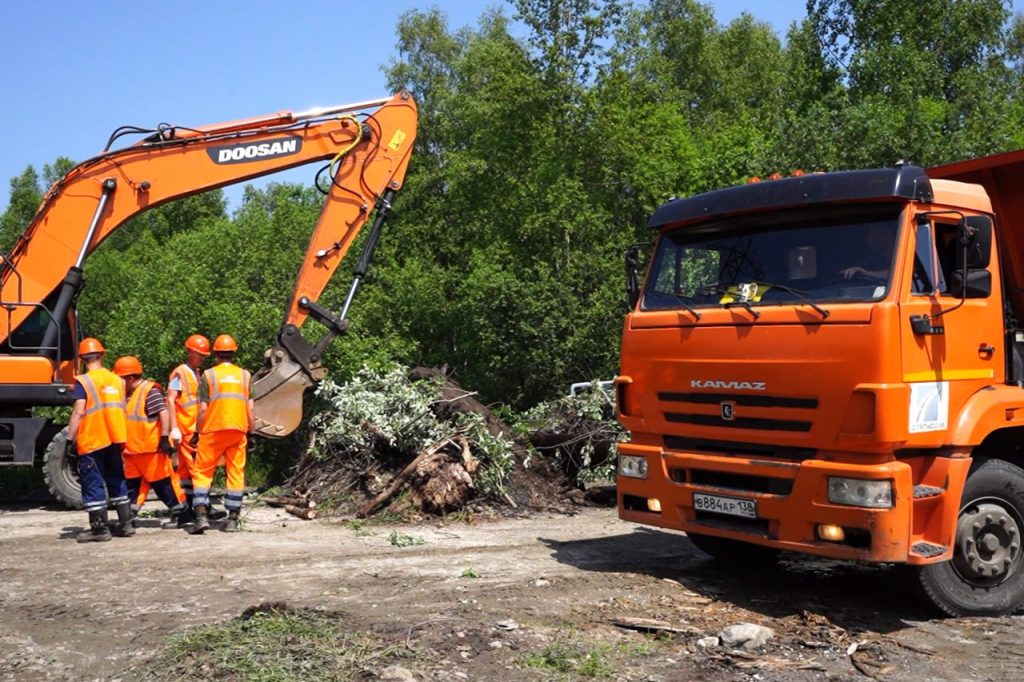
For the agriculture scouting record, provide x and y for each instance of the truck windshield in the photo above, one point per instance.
(842, 254)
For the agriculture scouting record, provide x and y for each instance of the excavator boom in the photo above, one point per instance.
(366, 145)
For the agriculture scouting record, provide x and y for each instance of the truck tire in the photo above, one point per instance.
(61, 473)
(985, 577)
(732, 551)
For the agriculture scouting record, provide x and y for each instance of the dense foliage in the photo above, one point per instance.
(548, 133)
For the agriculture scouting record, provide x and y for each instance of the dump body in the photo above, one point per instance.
(1002, 178)
(800, 370)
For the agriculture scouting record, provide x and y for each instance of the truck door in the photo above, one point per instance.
(951, 347)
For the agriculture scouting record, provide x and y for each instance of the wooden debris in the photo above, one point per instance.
(290, 501)
(430, 453)
(301, 512)
(468, 460)
(649, 625)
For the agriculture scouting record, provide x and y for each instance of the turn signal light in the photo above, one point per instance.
(831, 533)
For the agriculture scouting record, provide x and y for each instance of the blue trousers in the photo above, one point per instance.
(163, 489)
(102, 474)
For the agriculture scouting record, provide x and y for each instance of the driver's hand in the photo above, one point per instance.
(850, 272)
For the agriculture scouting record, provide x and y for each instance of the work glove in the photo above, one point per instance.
(165, 446)
(194, 440)
(70, 448)
(175, 436)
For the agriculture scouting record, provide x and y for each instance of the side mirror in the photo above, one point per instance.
(979, 283)
(632, 277)
(974, 236)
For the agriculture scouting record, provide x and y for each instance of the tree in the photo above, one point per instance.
(25, 198)
(929, 86)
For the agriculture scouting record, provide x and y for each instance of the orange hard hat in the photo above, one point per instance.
(127, 366)
(198, 343)
(225, 343)
(90, 346)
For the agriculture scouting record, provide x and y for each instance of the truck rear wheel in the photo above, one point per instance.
(61, 472)
(985, 577)
(724, 549)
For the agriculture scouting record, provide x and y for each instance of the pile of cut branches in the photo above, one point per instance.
(404, 440)
(580, 433)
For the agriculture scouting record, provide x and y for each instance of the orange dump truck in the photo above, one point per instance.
(833, 364)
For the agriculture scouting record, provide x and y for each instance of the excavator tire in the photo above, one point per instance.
(985, 577)
(733, 551)
(61, 473)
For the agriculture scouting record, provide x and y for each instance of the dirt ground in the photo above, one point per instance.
(513, 598)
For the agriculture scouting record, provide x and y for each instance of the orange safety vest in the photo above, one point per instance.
(143, 431)
(104, 422)
(186, 405)
(228, 394)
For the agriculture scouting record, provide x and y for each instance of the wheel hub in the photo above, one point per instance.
(988, 540)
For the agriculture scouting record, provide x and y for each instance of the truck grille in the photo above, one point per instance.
(739, 422)
(730, 402)
(734, 449)
(738, 482)
(741, 399)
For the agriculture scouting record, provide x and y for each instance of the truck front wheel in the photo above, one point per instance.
(985, 577)
(61, 472)
(732, 551)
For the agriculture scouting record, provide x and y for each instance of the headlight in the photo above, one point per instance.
(860, 493)
(634, 467)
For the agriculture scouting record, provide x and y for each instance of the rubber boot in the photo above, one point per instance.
(175, 513)
(231, 525)
(98, 530)
(125, 527)
(202, 521)
(187, 516)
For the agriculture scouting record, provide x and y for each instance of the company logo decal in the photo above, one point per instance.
(733, 385)
(728, 411)
(255, 151)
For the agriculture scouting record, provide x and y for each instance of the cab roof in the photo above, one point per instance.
(909, 183)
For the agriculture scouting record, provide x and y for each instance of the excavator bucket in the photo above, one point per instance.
(277, 391)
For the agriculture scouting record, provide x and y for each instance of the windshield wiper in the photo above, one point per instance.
(712, 289)
(802, 295)
(682, 301)
(745, 304)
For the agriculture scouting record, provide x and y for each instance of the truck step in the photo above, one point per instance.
(922, 491)
(927, 549)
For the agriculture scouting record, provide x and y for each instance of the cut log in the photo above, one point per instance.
(300, 512)
(286, 500)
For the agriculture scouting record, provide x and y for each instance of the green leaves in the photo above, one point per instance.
(549, 132)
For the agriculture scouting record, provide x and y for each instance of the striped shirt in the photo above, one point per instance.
(154, 401)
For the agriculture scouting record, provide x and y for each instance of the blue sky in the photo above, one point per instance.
(74, 71)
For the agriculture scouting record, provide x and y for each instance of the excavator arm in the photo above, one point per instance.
(367, 146)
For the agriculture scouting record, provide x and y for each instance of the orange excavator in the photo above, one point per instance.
(366, 147)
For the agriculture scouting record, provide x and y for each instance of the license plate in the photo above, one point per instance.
(733, 506)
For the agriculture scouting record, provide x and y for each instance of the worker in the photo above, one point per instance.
(183, 410)
(96, 433)
(225, 419)
(148, 454)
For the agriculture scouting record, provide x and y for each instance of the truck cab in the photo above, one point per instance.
(822, 364)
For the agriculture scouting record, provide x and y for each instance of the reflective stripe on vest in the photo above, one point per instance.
(104, 420)
(186, 405)
(228, 395)
(143, 431)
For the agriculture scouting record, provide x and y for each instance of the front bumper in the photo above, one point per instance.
(792, 501)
